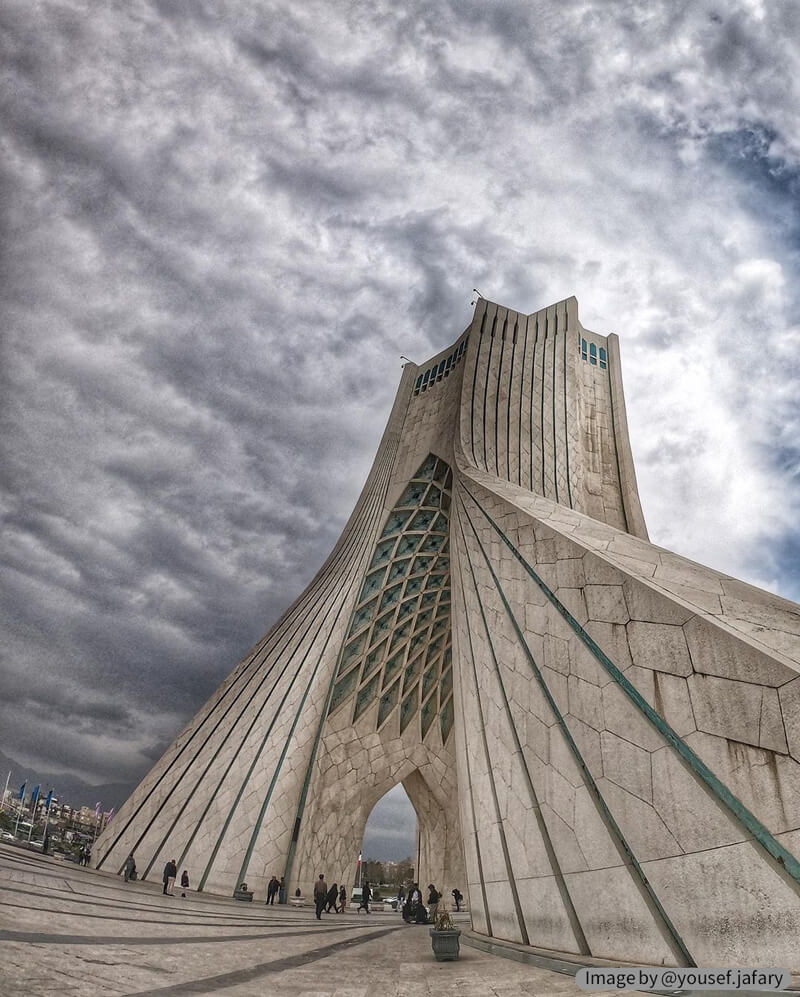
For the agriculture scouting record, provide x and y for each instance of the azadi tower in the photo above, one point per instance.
(601, 739)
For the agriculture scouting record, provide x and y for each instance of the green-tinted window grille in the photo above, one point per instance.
(434, 648)
(387, 703)
(434, 581)
(447, 684)
(393, 666)
(439, 626)
(383, 625)
(342, 689)
(408, 544)
(428, 599)
(427, 469)
(441, 471)
(429, 679)
(366, 694)
(395, 523)
(374, 659)
(407, 608)
(413, 494)
(412, 671)
(414, 585)
(409, 708)
(390, 597)
(399, 636)
(432, 543)
(363, 615)
(353, 649)
(421, 565)
(383, 552)
(447, 719)
(420, 638)
(427, 714)
(422, 520)
(398, 569)
(434, 496)
(372, 583)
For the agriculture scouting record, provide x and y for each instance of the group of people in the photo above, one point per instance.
(414, 910)
(168, 878)
(84, 856)
(276, 888)
(325, 898)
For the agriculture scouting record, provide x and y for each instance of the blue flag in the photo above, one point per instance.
(35, 795)
(49, 799)
(22, 790)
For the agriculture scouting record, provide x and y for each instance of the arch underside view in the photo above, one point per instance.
(601, 738)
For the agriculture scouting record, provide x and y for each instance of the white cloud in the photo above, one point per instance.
(228, 220)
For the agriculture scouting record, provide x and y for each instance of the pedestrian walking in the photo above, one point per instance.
(184, 882)
(331, 898)
(366, 893)
(129, 869)
(282, 891)
(342, 898)
(320, 895)
(170, 872)
(457, 897)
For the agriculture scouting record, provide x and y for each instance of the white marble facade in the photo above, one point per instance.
(601, 739)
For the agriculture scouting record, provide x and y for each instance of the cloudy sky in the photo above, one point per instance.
(224, 221)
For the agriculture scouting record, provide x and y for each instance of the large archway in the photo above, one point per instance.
(391, 837)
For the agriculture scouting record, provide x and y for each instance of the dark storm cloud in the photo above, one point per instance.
(222, 225)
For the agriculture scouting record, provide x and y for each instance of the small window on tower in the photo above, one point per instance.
(593, 354)
(584, 355)
(603, 358)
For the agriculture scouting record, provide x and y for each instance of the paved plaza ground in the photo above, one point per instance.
(80, 933)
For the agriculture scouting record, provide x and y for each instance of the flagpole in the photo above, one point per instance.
(34, 804)
(3, 801)
(47, 817)
(21, 803)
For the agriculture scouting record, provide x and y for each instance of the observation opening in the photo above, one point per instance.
(389, 849)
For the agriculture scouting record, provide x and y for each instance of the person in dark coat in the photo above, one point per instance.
(129, 869)
(320, 895)
(366, 893)
(184, 882)
(434, 896)
(458, 897)
(411, 905)
(342, 898)
(331, 898)
(282, 891)
(272, 889)
(170, 872)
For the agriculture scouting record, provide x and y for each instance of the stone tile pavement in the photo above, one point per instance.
(79, 933)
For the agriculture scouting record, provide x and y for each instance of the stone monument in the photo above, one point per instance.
(601, 739)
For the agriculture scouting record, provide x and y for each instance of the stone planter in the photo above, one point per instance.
(445, 944)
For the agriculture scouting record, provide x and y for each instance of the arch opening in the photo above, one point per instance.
(390, 844)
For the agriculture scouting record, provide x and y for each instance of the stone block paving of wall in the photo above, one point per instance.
(78, 933)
